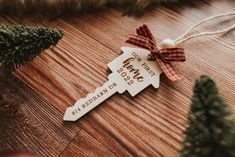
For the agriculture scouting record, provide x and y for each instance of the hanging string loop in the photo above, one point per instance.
(184, 37)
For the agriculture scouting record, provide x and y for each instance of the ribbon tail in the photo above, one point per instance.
(169, 70)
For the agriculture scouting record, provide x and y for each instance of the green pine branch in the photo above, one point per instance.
(19, 44)
(211, 131)
(55, 8)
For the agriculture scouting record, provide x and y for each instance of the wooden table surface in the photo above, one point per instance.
(151, 123)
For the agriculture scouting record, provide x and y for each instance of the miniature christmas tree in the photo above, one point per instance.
(19, 44)
(211, 130)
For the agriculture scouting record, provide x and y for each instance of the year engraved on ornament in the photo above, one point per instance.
(124, 75)
(128, 69)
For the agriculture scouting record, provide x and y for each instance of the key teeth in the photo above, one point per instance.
(90, 94)
(98, 88)
(68, 116)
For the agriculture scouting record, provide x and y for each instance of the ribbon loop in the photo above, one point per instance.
(164, 57)
(141, 42)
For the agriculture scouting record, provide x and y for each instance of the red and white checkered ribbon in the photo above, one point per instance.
(164, 57)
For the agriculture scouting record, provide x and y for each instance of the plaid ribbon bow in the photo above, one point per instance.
(164, 57)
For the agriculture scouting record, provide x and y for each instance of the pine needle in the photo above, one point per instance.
(19, 44)
(55, 8)
(211, 131)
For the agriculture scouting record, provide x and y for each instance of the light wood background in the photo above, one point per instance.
(150, 124)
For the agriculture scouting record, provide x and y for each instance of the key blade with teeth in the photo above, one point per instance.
(86, 104)
(131, 71)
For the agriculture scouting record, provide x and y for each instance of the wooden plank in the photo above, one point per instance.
(142, 127)
(37, 126)
(83, 145)
(29, 122)
(48, 84)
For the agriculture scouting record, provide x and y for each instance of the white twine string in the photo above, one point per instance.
(183, 37)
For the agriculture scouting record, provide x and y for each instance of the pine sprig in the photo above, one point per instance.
(19, 44)
(55, 8)
(211, 131)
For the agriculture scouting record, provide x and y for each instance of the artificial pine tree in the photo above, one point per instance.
(211, 130)
(20, 43)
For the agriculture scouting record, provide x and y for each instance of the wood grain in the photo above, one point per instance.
(83, 145)
(150, 124)
(32, 123)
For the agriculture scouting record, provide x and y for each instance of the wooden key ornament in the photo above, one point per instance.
(132, 71)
